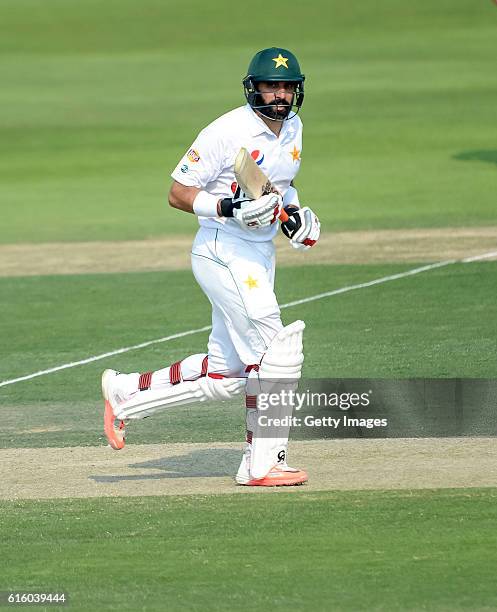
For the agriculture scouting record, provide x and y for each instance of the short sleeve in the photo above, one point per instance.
(203, 161)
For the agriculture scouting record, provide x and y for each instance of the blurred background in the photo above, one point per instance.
(99, 100)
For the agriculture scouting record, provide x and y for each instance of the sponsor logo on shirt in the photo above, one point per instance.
(257, 156)
(193, 156)
(184, 168)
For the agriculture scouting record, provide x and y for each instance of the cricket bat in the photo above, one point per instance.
(252, 180)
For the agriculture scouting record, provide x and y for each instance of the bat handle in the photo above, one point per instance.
(283, 214)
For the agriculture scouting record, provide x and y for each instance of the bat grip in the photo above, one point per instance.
(283, 216)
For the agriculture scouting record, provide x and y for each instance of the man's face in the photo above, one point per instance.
(279, 94)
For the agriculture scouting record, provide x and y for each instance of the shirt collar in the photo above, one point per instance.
(257, 125)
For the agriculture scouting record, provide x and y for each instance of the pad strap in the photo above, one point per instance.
(205, 365)
(175, 373)
(145, 381)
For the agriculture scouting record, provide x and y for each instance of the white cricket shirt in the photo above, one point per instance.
(209, 162)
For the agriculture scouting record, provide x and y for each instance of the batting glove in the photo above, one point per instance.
(228, 205)
(302, 228)
(253, 214)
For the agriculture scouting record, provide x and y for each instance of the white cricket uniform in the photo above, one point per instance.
(233, 265)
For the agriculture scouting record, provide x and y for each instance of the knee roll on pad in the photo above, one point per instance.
(221, 388)
(281, 365)
(285, 355)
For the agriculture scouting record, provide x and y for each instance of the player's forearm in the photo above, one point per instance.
(182, 197)
(196, 201)
(204, 204)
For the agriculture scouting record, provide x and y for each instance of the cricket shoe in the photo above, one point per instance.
(115, 429)
(281, 475)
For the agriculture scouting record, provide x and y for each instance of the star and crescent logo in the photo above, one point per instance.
(280, 61)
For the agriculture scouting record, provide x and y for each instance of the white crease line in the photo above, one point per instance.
(479, 257)
(190, 332)
(104, 355)
(377, 281)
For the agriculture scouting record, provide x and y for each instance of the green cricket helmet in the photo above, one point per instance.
(273, 65)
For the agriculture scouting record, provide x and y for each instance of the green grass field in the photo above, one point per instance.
(347, 551)
(363, 334)
(99, 101)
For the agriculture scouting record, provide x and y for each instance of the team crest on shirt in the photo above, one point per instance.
(193, 156)
(251, 282)
(295, 154)
(257, 156)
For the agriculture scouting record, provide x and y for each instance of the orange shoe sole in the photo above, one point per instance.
(278, 478)
(116, 436)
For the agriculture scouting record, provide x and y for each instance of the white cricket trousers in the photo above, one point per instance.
(238, 278)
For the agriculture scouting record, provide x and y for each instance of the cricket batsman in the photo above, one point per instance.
(233, 261)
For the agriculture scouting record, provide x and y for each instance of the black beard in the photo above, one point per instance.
(272, 112)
